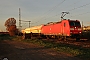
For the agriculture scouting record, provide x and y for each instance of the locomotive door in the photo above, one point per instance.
(64, 29)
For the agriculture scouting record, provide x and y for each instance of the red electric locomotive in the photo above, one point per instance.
(65, 28)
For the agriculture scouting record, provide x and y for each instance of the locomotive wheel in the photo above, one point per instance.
(47, 37)
(64, 38)
(77, 39)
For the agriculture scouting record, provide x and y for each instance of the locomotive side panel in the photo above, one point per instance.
(52, 29)
(59, 28)
(56, 29)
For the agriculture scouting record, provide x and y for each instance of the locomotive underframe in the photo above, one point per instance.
(59, 36)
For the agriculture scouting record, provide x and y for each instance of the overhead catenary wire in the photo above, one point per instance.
(52, 9)
(80, 7)
(70, 5)
(44, 18)
(75, 8)
(80, 14)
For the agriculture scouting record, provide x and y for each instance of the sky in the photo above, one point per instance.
(43, 11)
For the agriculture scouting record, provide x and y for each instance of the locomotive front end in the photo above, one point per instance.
(75, 29)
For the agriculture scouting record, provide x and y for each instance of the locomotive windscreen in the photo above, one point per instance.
(74, 23)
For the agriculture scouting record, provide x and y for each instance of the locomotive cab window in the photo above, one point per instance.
(74, 23)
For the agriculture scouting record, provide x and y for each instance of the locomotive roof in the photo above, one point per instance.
(50, 23)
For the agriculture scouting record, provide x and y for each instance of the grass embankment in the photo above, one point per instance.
(5, 37)
(76, 51)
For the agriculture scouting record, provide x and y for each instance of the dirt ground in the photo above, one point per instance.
(17, 50)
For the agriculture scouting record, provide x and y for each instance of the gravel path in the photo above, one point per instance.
(17, 50)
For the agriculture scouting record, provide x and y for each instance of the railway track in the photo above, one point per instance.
(83, 42)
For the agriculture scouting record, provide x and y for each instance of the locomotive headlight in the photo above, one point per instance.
(80, 32)
(71, 28)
